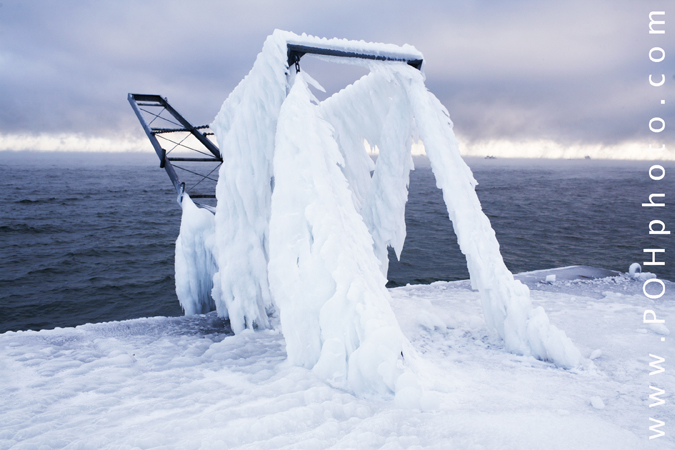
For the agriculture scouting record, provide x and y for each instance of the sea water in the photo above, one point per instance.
(90, 237)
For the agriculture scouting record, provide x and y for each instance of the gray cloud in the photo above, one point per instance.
(568, 71)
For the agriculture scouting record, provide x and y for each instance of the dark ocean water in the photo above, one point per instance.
(90, 238)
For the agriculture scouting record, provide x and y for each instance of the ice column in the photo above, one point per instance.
(195, 260)
(245, 128)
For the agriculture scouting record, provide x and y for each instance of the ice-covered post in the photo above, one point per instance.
(245, 128)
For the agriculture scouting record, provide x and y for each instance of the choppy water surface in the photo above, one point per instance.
(546, 213)
(90, 238)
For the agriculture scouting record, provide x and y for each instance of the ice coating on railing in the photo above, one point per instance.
(371, 48)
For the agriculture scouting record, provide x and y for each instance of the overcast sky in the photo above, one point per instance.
(569, 71)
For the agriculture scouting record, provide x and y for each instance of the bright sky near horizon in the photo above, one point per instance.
(539, 77)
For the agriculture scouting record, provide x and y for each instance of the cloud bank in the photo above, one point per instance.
(572, 73)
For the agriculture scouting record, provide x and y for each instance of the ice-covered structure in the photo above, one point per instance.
(302, 227)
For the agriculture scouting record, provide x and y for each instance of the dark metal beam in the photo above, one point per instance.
(210, 146)
(161, 153)
(193, 159)
(297, 51)
(174, 130)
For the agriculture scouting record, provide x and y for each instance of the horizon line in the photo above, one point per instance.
(498, 148)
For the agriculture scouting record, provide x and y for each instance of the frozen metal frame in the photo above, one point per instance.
(294, 53)
(137, 101)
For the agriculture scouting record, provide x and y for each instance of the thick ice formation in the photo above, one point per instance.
(245, 128)
(334, 306)
(384, 210)
(357, 114)
(195, 261)
(375, 109)
(301, 224)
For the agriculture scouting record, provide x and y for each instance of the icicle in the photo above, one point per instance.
(356, 114)
(506, 302)
(384, 209)
(195, 261)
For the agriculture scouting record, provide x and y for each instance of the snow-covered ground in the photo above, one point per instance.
(186, 383)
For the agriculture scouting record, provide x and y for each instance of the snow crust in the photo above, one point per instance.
(302, 226)
(185, 382)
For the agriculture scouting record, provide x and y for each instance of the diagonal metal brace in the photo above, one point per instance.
(165, 162)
